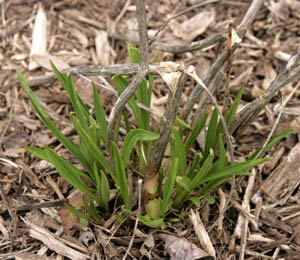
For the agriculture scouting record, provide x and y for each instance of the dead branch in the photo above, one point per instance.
(216, 67)
(144, 65)
(169, 117)
(290, 71)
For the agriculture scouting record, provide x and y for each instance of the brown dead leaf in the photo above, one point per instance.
(270, 74)
(193, 27)
(182, 249)
(256, 91)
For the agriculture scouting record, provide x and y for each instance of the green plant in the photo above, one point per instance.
(193, 181)
(184, 181)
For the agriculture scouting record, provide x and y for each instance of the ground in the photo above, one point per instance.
(76, 37)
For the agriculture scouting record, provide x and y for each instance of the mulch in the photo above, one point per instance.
(33, 193)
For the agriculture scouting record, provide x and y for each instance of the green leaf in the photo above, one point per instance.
(102, 187)
(121, 176)
(195, 200)
(151, 223)
(132, 137)
(229, 170)
(100, 116)
(222, 155)
(182, 124)
(133, 53)
(196, 181)
(75, 99)
(155, 58)
(211, 134)
(59, 75)
(104, 192)
(41, 154)
(68, 172)
(77, 105)
(196, 161)
(233, 108)
(91, 146)
(152, 208)
(182, 195)
(77, 212)
(169, 186)
(178, 150)
(121, 84)
(185, 183)
(273, 141)
(50, 124)
(210, 200)
(195, 132)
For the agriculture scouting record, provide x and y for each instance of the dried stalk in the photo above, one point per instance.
(99, 70)
(215, 69)
(120, 104)
(143, 35)
(251, 110)
(144, 65)
(168, 119)
(228, 68)
(165, 47)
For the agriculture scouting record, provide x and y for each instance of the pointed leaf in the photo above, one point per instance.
(121, 176)
(169, 186)
(132, 137)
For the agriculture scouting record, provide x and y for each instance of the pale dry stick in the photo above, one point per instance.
(191, 72)
(242, 224)
(292, 69)
(165, 47)
(140, 182)
(12, 215)
(105, 86)
(289, 72)
(143, 70)
(47, 204)
(228, 68)
(120, 104)
(124, 9)
(159, 146)
(162, 27)
(243, 239)
(215, 69)
(227, 138)
(214, 84)
(245, 213)
(213, 72)
(202, 234)
(277, 120)
(221, 209)
(143, 34)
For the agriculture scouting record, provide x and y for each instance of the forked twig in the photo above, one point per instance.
(215, 69)
(143, 70)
